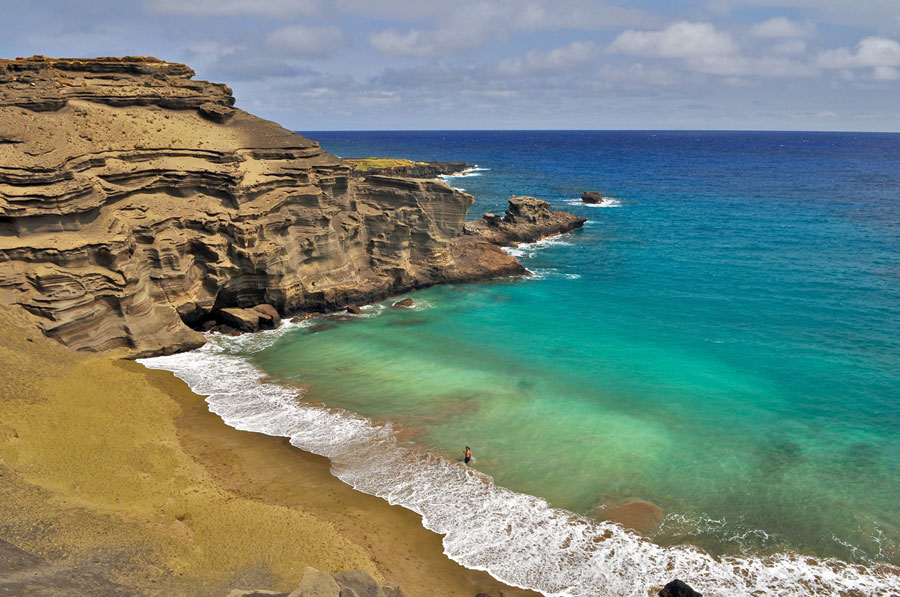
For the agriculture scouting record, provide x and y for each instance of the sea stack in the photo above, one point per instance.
(591, 197)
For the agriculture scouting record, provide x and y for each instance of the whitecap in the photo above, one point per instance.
(607, 202)
(529, 249)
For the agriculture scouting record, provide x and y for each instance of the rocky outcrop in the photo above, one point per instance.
(527, 220)
(592, 197)
(137, 204)
(315, 583)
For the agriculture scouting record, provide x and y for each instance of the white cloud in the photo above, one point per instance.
(742, 66)
(885, 73)
(475, 23)
(682, 39)
(782, 27)
(233, 8)
(880, 54)
(789, 47)
(306, 42)
(411, 43)
(558, 59)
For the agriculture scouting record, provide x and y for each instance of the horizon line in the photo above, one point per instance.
(849, 132)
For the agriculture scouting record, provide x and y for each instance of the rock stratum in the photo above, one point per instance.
(136, 202)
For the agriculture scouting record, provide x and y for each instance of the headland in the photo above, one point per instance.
(137, 204)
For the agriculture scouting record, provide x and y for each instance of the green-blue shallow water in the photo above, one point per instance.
(724, 344)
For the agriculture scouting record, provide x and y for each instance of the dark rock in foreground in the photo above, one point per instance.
(678, 588)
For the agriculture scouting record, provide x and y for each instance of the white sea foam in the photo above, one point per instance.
(607, 202)
(473, 171)
(529, 249)
(518, 538)
(542, 273)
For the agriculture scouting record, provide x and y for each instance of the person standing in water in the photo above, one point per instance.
(468, 454)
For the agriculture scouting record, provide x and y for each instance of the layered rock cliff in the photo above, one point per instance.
(135, 201)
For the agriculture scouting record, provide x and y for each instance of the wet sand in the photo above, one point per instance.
(117, 478)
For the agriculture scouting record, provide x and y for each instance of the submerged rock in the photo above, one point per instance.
(406, 303)
(640, 515)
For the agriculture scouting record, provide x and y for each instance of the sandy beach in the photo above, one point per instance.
(117, 479)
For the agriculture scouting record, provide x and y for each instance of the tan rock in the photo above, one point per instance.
(316, 583)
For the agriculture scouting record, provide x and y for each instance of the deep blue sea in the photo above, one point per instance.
(721, 341)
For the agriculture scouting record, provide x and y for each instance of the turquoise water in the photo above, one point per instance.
(724, 344)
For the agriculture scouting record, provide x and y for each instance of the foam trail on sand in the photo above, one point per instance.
(518, 538)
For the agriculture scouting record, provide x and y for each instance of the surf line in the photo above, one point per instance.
(518, 538)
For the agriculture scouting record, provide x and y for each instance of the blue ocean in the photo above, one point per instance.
(720, 343)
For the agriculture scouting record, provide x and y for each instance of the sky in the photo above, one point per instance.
(506, 64)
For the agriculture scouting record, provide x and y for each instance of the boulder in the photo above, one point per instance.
(215, 112)
(678, 588)
(244, 320)
(591, 197)
(316, 583)
(268, 316)
(353, 309)
(406, 303)
(361, 583)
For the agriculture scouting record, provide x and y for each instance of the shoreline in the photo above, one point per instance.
(572, 553)
(117, 479)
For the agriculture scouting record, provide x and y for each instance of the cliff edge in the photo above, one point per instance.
(136, 201)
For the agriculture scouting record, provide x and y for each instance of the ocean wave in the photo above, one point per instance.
(473, 171)
(519, 539)
(607, 202)
(529, 249)
(550, 272)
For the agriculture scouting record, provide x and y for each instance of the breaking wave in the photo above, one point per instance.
(519, 539)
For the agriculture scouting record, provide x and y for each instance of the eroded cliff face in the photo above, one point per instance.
(134, 201)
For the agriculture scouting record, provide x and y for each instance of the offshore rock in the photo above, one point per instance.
(527, 220)
(136, 203)
(591, 197)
